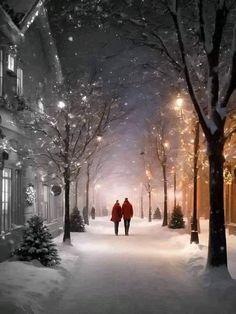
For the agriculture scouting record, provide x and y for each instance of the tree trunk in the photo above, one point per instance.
(194, 224)
(141, 205)
(66, 237)
(76, 193)
(175, 189)
(217, 253)
(165, 218)
(150, 205)
(86, 212)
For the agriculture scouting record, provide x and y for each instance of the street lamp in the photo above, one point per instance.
(174, 172)
(99, 138)
(194, 223)
(141, 201)
(179, 103)
(149, 190)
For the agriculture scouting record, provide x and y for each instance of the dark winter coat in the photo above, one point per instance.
(116, 213)
(127, 210)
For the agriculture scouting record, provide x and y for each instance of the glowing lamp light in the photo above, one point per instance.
(97, 186)
(166, 145)
(99, 138)
(179, 103)
(61, 104)
(148, 174)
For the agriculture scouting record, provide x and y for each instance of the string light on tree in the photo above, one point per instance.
(61, 104)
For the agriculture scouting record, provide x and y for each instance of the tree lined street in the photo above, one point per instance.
(151, 271)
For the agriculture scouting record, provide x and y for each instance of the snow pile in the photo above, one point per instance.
(25, 285)
(153, 270)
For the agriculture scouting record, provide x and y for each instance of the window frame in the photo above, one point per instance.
(6, 201)
(11, 62)
(19, 81)
(1, 72)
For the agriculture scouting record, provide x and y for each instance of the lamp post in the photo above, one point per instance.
(141, 201)
(194, 223)
(174, 188)
(149, 190)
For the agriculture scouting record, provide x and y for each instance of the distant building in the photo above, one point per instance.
(29, 66)
(229, 183)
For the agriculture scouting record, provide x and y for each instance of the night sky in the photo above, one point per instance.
(128, 71)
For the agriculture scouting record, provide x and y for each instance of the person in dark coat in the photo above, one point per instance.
(127, 213)
(116, 216)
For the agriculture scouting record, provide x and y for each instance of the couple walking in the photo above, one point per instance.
(117, 212)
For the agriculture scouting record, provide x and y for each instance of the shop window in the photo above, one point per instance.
(1, 73)
(11, 63)
(19, 82)
(45, 202)
(18, 215)
(40, 106)
(6, 200)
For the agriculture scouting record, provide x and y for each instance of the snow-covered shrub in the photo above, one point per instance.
(157, 214)
(177, 219)
(38, 244)
(76, 221)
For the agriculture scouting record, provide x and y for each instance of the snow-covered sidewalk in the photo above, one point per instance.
(153, 270)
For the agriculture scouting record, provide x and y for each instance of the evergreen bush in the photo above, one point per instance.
(38, 244)
(157, 214)
(76, 221)
(177, 219)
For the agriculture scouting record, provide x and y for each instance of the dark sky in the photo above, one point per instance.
(92, 53)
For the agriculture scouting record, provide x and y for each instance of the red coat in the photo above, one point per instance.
(127, 210)
(116, 213)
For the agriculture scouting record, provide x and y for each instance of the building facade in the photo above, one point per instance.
(29, 66)
(229, 182)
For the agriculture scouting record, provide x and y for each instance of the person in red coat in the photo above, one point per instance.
(127, 213)
(116, 216)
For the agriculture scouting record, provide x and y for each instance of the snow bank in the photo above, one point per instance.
(154, 269)
(24, 286)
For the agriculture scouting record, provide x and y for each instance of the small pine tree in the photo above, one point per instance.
(76, 221)
(157, 214)
(177, 220)
(93, 212)
(38, 244)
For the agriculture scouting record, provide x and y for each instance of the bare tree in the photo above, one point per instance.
(63, 138)
(160, 143)
(197, 40)
(204, 33)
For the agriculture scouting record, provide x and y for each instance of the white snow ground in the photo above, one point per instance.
(153, 270)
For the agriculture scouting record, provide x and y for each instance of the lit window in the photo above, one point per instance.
(11, 63)
(19, 82)
(1, 73)
(6, 199)
(41, 106)
(45, 203)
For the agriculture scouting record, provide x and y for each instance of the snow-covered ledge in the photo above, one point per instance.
(232, 228)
